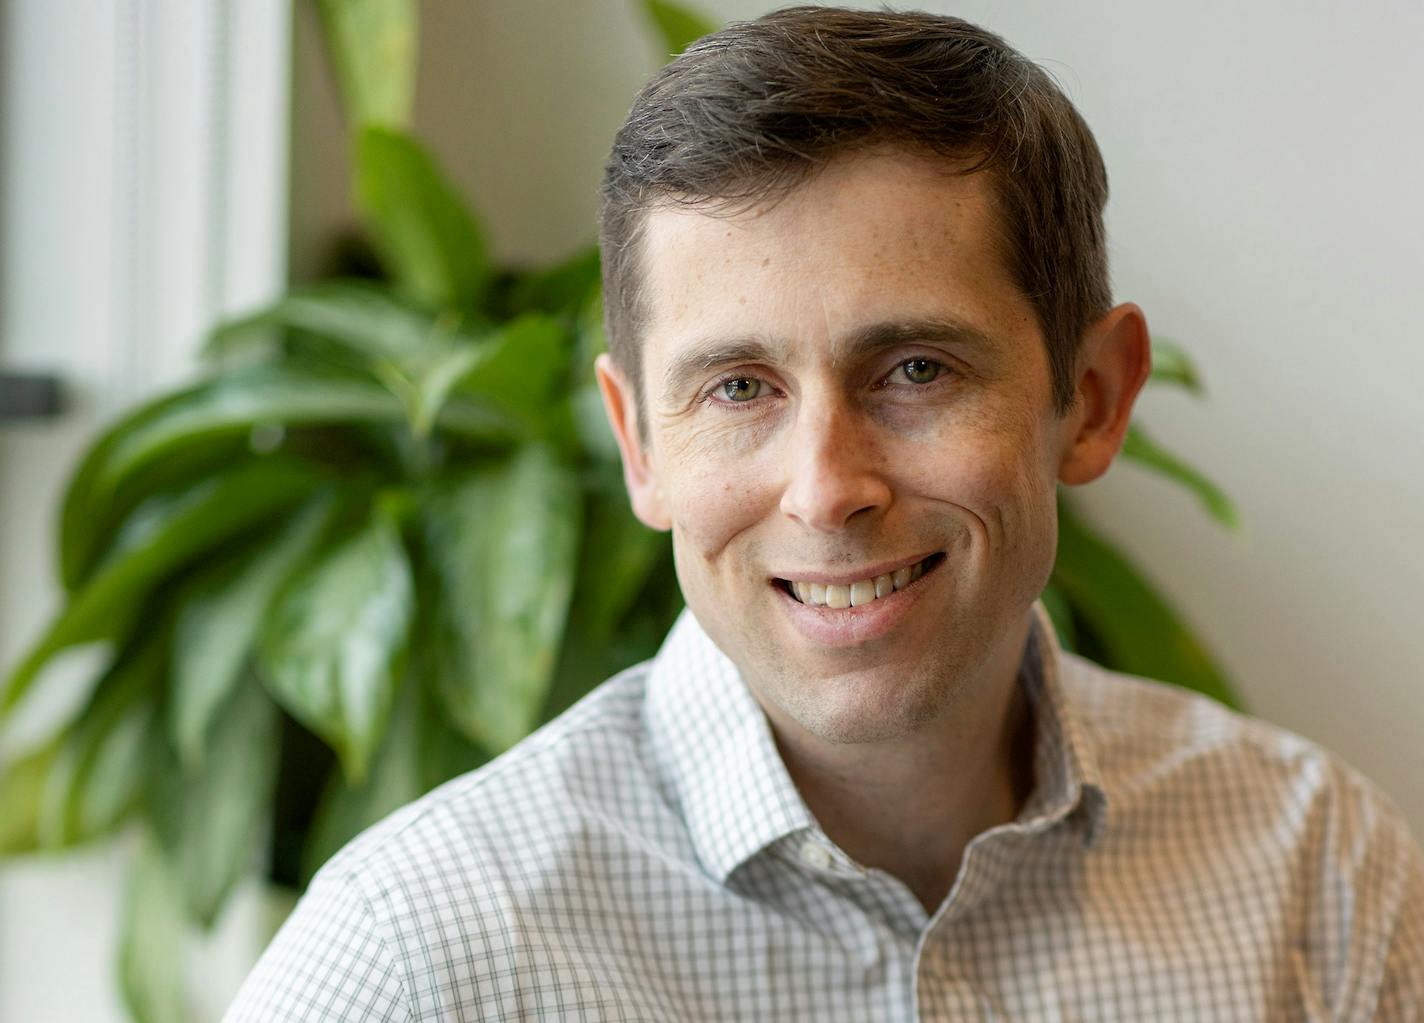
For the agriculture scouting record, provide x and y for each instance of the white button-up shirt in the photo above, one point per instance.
(647, 857)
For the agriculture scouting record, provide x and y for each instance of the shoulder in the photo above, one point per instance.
(1150, 738)
(1252, 809)
(444, 887)
(589, 762)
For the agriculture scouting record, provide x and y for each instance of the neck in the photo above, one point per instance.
(910, 806)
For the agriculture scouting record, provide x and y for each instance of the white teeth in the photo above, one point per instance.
(857, 593)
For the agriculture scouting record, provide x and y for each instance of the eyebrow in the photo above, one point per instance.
(716, 351)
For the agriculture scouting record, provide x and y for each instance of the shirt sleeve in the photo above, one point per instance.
(1368, 908)
(1402, 986)
(328, 962)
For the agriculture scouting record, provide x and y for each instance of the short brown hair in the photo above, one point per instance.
(753, 110)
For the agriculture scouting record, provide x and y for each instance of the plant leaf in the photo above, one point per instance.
(86, 522)
(219, 621)
(366, 319)
(273, 395)
(522, 368)
(332, 649)
(1134, 625)
(561, 289)
(372, 47)
(208, 819)
(1172, 365)
(22, 786)
(211, 513)
(678, 26)
(97, 775)
(502, 542)
(617, 554)
(151, 941)
(1137, 446)
(231, 406)
(347, 809)
(1061, 615)
(426, 235)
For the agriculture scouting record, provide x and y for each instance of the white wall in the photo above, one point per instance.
(1266, 160)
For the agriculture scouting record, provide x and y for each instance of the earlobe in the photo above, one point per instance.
(1115, 361)
(639, 473)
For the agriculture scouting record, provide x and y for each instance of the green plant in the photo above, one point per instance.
(378, 542)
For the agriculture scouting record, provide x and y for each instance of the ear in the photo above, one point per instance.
(639, 472)
(1113, 364)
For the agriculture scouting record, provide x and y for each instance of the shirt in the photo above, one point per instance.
(646, 856)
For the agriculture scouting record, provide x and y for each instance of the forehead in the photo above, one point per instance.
(883, 237)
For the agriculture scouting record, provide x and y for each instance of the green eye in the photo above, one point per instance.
(741, 389)
(920, 371)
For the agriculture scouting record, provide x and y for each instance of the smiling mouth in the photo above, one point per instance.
(865, 591)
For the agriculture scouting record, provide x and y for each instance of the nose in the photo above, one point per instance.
(836, 471)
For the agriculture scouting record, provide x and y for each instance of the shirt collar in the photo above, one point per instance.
(715, 749)
(1067, 782)
(716, 754)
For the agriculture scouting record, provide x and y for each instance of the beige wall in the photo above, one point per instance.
(1265, 162)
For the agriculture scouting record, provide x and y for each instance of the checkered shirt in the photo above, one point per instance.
(646, 856)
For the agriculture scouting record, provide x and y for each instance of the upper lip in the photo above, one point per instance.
(815, 575)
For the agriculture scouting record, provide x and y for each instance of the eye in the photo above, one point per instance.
(920, 371)
(740, 389)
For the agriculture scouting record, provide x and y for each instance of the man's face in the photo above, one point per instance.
(840, 385)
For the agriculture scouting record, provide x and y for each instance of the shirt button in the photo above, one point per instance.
(813, 854)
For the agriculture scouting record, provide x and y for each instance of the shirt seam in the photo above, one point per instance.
(398, 970)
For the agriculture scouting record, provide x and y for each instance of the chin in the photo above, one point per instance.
(853, 709)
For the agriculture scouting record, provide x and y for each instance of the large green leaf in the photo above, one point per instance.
(96, 777)
(365, 318)
(522, 371)
(1172, 365)
(1139, 447)
(219, 621)
(426, 235)
(205, 517)
(151, 941)
(209, 818)
(563, 288)
(347, 809)
(1061, 615)
(22, 786)
(678, 25)
(503, 544)
(334, 644)
(372, 46)
(617, 555)
(1140, 633)
(87, 523)
(269, 395)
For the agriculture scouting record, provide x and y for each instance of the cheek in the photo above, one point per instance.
(997, 473)
(713, 500)
(718, 482)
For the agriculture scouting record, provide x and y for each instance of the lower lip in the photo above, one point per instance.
(847, 626)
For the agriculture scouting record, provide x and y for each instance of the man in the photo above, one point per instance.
(860, 330)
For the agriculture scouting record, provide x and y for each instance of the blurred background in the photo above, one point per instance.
(164, 166)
